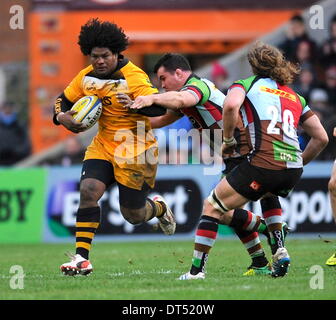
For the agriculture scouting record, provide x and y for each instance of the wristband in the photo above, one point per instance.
(231, 140)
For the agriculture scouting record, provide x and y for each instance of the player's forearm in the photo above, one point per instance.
(230, 118)
(171, 100)
(157, 122)
(313, 149)
(231, 107)
(61, 105)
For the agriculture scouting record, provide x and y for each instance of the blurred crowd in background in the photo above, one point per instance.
(317, 80)
(316, 83)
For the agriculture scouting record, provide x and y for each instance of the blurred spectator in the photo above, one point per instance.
(14, 142)
(329, 153)
(219, 77)
(296, 33)
(328, 48)
(318, 100)
(73, 152)
(330, 85)
(305, 54)
(305, 83)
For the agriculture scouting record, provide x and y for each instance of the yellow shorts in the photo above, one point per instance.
(131, 172)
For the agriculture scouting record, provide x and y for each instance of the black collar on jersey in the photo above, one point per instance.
(122, 61)
(115, 74)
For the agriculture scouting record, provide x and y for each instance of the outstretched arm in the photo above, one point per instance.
(165, 120)
(156, 122)
(173, 100)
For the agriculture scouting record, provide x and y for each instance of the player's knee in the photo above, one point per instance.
(332, 186)
(269, 201)
(226, 218)
(206, 206)
(133, 216)
(268, 195)
(91, 191)
(88, 193)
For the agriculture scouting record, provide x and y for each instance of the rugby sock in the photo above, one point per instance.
(253, 246)
(272, 212)
(160, 208)
(205, 237)
(87, 222)
(263, 228)
(246, 220)
(154, 209)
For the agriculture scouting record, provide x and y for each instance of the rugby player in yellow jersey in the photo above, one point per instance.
(123, 151)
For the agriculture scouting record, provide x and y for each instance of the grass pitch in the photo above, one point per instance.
(148, 270)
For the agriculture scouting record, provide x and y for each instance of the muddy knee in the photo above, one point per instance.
(91, 191)
(133, 216)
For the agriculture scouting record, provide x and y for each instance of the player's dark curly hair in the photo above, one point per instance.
(102, 34)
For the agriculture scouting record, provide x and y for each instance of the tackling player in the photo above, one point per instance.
(110, 157)
(187, 94)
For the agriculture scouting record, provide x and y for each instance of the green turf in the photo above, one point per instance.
(148, 270)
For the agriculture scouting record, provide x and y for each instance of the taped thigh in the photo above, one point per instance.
(216, 203)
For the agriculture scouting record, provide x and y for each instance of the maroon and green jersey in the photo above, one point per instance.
(271, 114)
(207, 113)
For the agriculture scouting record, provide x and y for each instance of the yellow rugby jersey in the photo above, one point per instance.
(117, 124)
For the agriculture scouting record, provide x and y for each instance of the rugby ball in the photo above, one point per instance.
(88, 110)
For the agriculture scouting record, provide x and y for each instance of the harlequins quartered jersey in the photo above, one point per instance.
(271, 114)
(207, 114)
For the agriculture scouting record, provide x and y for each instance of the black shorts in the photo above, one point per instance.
(231, 163)
(253, 182)
(102, 170)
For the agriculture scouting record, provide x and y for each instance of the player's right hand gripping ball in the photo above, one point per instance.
(88, 110)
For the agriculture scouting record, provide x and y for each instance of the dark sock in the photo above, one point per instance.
(87, 222)
(277, 239)
(259, 261)
(263, 228)
(253, 246)
(272, 212)
(205, 237)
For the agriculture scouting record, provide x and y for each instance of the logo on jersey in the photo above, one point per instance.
(284, 152)
(58, 105)
(255, 185)
(107, 101)
(281, 93)
(91, 86)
